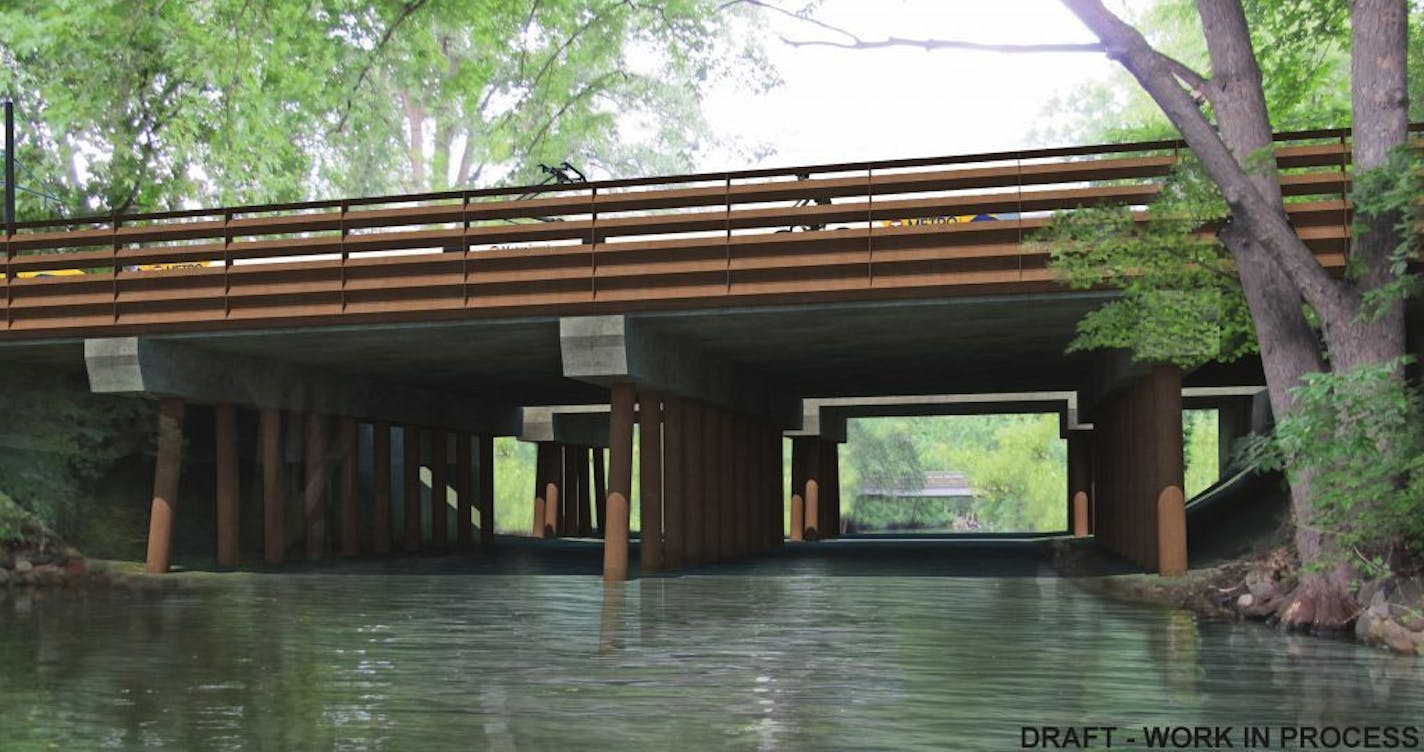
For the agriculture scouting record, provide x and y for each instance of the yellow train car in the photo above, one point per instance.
(135, 268)
(50, 273)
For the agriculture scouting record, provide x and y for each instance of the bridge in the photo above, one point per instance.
(710, 309)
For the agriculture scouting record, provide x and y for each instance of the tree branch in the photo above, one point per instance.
(406, 12)
(1151, 69)
(855, 42)
(945, 44)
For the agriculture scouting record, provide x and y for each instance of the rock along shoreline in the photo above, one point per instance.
(1247, 589)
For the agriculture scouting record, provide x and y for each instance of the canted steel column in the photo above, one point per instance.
(1080, 481)
(674, 541)
(486, 492)
(1165, 386)
(813, 489)
(585, 509)
(228, 520)
(650, 482)
(464, 499)
(315, 492)
(439, 490)
(693, 487)
(410, 501)
(381, 493)
(620, 482)
(274, 496)
(798, 487)
(350, 546)
(166, 474)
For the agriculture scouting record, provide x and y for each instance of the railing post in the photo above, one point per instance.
(593, 244)
(114, 263)
(727, 206)
(341, 221)
(227, 264)
(465, 248)
(869, 227)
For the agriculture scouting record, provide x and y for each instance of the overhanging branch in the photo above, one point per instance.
(853, 41)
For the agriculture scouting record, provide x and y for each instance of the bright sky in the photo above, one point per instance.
(847, 105)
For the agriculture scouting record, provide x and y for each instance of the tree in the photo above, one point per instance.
(1360, 316)
(132, 105)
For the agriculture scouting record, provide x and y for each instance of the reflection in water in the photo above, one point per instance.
(727, 661)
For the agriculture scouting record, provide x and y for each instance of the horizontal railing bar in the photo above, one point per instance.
(1024, 154)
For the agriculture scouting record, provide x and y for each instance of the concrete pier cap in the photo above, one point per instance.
(607, 350)
(156, 366)
(827, 417)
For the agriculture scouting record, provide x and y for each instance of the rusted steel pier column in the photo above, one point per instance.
(228, 521)
(692, 484)
(1080, 481)
(726, 476)
(410, 498)
(1169, 469)
(568, 514)
(464, 499)
(585, 509)
(486, 471)
(711, 487)
(439, 490)
(553, 492)
(166, 473)
(674, 525)
(754, 486)
(776, 536)
(620, 482)
(827, 490)
(741, 481)
(798, 488)
(812, 493)
(1138, 476)
(314, 496)
(650, 482)
(545, 455)
(350, 546)
(381, 493)
(274, 496)
(600, 491)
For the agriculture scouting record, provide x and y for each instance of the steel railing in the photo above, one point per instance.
(851, 231)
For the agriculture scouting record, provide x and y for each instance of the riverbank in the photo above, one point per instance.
(1251, 588)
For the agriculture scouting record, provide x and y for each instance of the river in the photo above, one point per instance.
(807, 654)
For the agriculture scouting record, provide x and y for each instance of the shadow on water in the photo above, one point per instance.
(909, 556)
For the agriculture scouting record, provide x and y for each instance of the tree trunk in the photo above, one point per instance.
(1289, 348)
(1379, 39)
(1278, 273)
